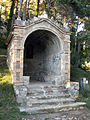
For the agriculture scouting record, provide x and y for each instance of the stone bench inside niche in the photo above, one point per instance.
(26, 80)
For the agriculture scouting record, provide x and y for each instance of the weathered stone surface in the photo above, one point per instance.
(74, 89)
(39, 52)
(26, 80)
(45, 62)
(21, 93)
(71, 115)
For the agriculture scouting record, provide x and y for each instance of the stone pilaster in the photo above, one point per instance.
(67, 57)
(18, 61)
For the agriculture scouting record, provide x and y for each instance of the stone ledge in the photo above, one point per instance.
(56, 108)
(73, 89)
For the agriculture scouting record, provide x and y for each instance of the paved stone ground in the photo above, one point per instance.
(71, 115)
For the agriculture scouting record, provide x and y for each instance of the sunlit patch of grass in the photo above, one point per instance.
(3, 55)
(6, 78)
(5, 75)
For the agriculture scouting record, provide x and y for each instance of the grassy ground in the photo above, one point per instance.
(8, 104)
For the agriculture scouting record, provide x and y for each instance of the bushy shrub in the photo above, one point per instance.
(88, 103)
(85, 91)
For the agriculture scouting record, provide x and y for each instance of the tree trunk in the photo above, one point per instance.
(38, 1)
(28, 10)
(6, 13)
(79, 48)
(0, 13)
(45, 5)
(16, 11)
(75, 42)
(64, 23)
(10, 17)
(48, 8)
(19, 11)
(24, 10)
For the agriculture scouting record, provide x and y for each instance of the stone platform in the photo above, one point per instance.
(45, 98)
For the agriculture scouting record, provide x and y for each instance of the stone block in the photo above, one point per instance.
(18, 65)
(20, 22)
(74, 89)
(18, 53)
(17, 76)
(19, 99)
(26, 80)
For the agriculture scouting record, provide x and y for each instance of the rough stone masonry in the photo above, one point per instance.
(39, 52)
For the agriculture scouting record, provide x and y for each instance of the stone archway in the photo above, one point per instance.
(18, 39)
(42, 57)
(39, 51)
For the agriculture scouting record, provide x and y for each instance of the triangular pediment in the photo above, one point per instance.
(36, 20)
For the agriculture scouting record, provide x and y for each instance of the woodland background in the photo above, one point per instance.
(74, 14)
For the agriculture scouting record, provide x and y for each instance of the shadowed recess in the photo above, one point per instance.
(41, 55)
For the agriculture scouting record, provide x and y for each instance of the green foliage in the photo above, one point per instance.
(83, 99)
(87, 25)
(79, 7)
(8, 105)
(84, 96)
(80, 47)
(72, 46)
(46, 118)
(2, 43)
(3, 52)
(84, 35)
(85, 91)
(88, 103)
(78, 73)
(84, 39)
(3, 34)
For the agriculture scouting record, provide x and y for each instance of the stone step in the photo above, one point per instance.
(45, 96)
(53, 108)
(45, 93)
(46, 90)
(38, 102)
(50, 93)
(41, 85)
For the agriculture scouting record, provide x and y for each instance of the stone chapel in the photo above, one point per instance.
(39, 61)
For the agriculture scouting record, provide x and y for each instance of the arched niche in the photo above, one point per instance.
(42, 56)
